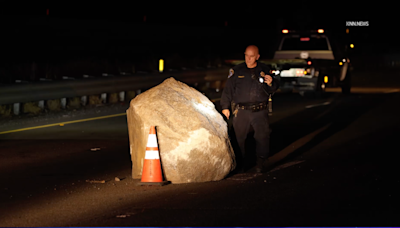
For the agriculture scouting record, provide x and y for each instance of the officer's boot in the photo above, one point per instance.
(260, 164)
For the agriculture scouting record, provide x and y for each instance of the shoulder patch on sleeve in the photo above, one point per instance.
(230, 73)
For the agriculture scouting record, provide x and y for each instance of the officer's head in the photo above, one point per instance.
(251, 56)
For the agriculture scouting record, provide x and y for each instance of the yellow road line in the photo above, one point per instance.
(63, 123)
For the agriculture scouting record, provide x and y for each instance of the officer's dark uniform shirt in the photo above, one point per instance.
(243, 85)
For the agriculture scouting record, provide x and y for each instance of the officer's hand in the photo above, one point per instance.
(268, 79)
(226, 112)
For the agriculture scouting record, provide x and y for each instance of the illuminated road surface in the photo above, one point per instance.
(333, 163)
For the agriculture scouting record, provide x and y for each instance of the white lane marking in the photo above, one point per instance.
(315, 105)
(286, 165)
(294, 146)
(244, 176)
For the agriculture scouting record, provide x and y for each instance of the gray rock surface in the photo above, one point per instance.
(192, 136)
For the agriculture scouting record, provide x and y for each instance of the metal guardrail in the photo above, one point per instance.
(49, 90)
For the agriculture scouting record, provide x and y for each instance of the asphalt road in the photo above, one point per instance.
(333, 163)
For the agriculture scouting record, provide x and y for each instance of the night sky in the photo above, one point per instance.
(72, 31)
(205, 14)
(267, 17)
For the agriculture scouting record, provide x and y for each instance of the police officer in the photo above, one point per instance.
(247, 89)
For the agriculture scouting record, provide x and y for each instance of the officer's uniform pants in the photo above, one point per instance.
(259, 122)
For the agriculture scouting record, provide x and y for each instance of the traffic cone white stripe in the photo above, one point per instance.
(152, 154)
(152, 141)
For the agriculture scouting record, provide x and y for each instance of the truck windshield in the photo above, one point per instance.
(305, 43)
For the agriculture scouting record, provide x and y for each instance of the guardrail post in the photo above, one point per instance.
(41, 104)
(63, 103)
(64, 99)
(103, 98)
(122, 96)
(16, 108)
(84, 100)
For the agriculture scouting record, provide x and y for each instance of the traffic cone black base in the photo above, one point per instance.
(154, 183)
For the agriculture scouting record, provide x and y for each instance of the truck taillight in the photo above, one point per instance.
(320, 31)
(285, 31)
(309, 62)
(300, 72)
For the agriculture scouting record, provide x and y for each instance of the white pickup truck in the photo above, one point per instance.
(309, 62)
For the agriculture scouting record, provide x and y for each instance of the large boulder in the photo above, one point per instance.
(192, 136)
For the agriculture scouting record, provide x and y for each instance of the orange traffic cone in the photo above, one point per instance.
(152, 174)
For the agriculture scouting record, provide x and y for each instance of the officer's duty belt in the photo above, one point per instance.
(252, 106)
